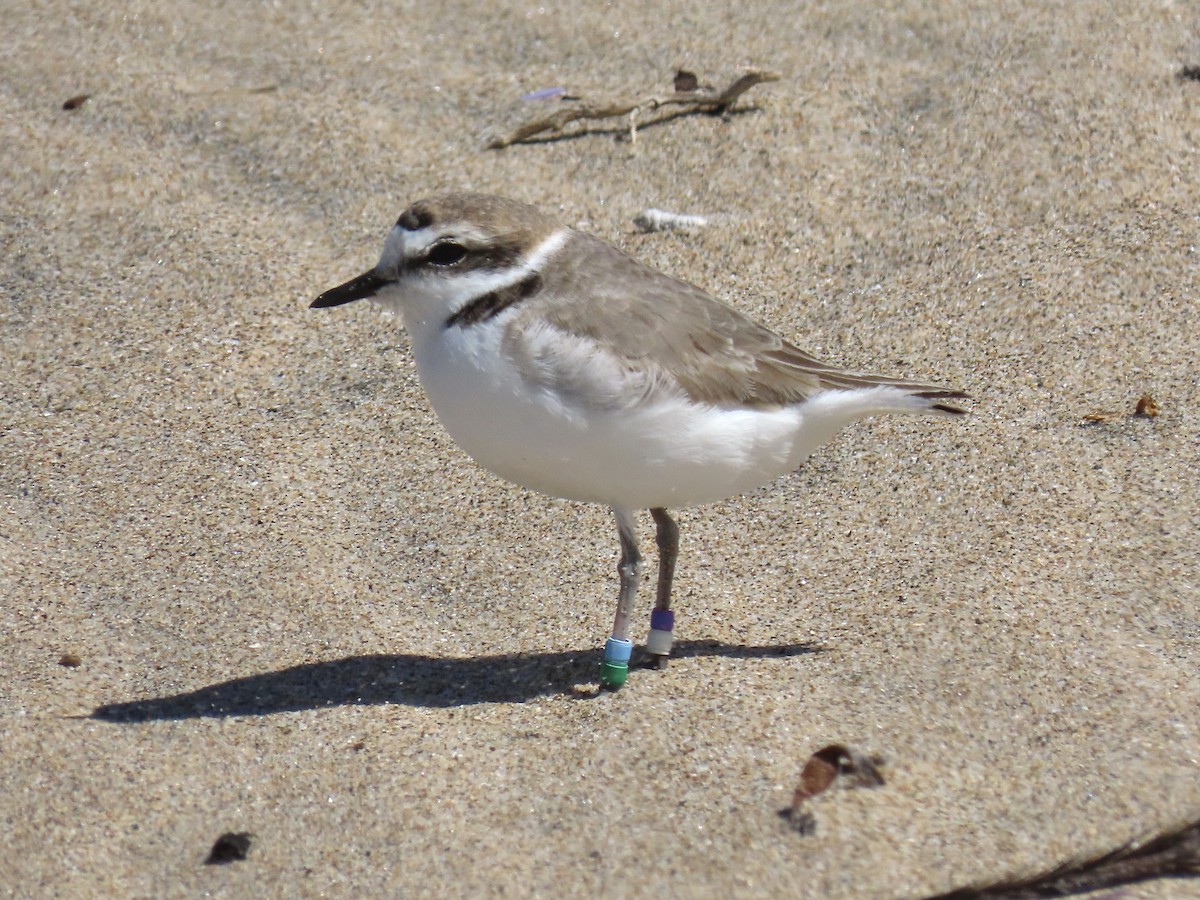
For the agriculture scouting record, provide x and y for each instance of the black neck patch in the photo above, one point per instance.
(489, 305)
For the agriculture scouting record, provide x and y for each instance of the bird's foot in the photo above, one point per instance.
(662, 634)
(614, 671)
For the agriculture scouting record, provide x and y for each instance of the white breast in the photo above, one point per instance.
(558, 439)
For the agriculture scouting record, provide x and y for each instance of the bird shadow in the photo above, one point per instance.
(407, 679)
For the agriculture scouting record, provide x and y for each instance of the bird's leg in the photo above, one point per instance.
(668, 551)
(662, 620)
(617, 650)
(630, 570)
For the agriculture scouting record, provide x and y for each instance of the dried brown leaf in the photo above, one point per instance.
(826, 766)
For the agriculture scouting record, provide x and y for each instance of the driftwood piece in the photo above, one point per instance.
(701, 99)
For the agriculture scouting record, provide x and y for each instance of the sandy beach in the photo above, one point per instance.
(249, 584)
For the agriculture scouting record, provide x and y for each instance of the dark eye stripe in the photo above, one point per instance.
(494, 257)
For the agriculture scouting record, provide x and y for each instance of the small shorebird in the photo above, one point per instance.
(564, 365)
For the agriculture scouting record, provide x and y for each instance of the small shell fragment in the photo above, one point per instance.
(649, 220)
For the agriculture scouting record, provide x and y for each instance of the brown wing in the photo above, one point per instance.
(681, 334)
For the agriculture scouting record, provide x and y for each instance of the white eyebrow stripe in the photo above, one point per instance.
(544, 251)
(474, 287)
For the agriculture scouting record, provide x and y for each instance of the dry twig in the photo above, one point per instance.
(1171, 854)
(701, 99)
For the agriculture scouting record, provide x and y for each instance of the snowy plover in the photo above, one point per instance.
(564, 365)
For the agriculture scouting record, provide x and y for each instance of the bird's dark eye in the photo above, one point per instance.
(446, 253)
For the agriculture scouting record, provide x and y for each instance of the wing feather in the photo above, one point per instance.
(663, 333)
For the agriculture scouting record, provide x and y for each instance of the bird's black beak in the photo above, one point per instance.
(365, 285)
